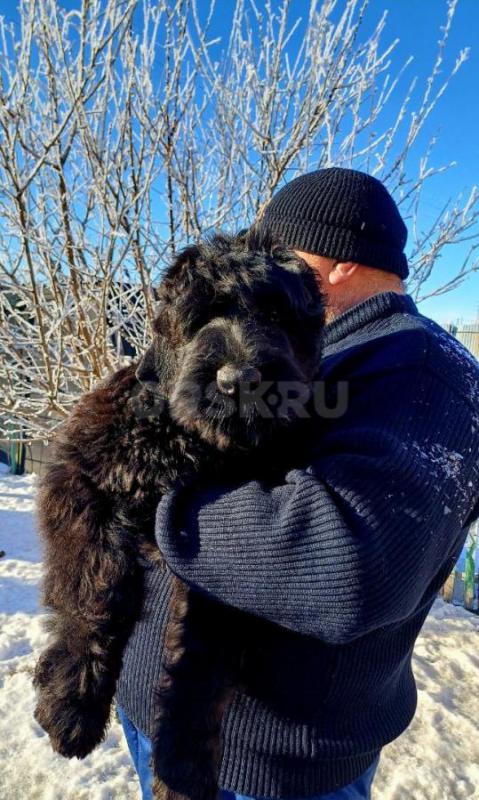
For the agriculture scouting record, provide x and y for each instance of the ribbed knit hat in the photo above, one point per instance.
(342, 214)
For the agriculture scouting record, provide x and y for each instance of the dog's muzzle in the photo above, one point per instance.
(230, 378)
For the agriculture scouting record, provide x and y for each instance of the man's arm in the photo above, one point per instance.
(350, 543)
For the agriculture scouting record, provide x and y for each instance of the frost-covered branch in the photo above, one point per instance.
(128, 128)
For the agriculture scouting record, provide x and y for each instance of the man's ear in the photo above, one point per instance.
(341, 272)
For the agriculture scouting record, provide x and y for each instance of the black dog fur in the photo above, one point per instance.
(236, 308)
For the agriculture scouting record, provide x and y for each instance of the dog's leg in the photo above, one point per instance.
(193, 693)
(91, 585)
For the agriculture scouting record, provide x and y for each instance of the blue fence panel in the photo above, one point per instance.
(462, 586)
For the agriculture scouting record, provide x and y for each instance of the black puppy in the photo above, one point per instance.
(236, 345)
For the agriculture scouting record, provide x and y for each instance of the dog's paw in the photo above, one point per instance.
(189, 791)
(161, 791)
(73, 731)
(68, 706)
(180, 773)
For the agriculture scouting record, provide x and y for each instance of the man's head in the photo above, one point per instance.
(347, 227)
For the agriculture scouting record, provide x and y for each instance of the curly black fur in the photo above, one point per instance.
(234, 303)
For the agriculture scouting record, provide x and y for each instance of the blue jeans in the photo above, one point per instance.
(140, 749)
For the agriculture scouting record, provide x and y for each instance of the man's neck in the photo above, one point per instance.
(337, 303)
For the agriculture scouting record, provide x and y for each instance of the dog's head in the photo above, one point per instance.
(237, 339)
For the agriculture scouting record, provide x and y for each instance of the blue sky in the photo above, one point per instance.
(417, 24)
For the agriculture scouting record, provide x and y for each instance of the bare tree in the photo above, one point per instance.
(128, 129)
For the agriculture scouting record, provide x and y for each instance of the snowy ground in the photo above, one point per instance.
(436, 759)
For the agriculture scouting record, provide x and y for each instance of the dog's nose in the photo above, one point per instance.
(229, 378)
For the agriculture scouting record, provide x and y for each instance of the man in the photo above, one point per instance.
(345, 556)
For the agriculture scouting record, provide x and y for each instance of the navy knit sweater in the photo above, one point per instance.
(344, 558)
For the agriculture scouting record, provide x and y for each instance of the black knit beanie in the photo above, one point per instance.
(342, 214)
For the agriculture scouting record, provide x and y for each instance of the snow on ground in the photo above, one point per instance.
(30, 770)
(436, 759)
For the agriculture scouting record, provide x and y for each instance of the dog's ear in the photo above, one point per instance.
(180, 274)
(157, 365)
(186, 287)
(147, 370)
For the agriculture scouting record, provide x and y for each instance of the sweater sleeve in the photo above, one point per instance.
(349, 543)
